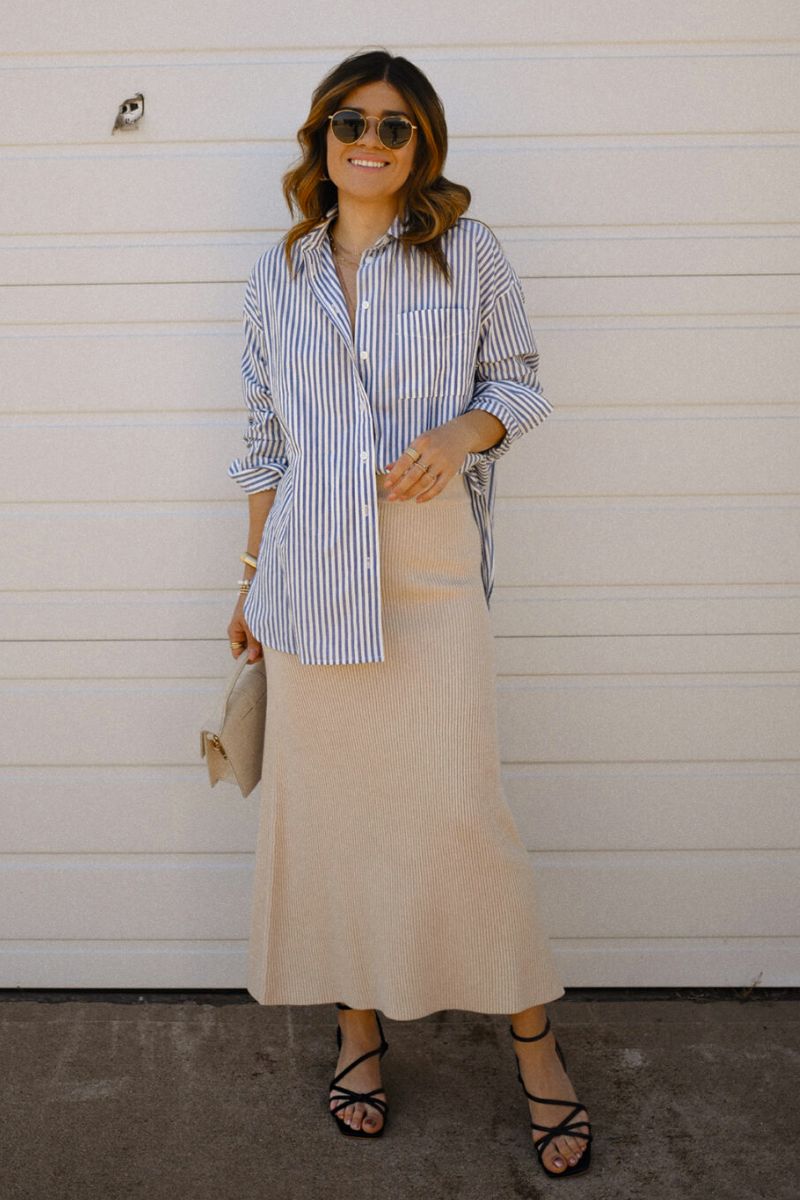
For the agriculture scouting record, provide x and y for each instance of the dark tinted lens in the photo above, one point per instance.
(347, 125)
(394, 131)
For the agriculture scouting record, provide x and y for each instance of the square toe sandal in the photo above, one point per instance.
(348, 1097)
(567, 1126)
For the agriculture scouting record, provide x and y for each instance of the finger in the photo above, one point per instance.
(428, 484)
(395, 470)
(436, 485)
(401, 465)
(236, 633)
(394, 476)
(253, 645)
(409, 484)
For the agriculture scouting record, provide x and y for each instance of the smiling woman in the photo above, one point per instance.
(387, 359)
(376, 87)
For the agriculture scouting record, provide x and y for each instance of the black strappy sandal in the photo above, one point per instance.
(349, 1097)
(567, 1126)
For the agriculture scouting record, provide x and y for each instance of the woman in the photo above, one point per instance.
(388, 364)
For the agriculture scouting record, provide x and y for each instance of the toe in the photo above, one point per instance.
(567, 1147)
(373, 1120)
(358, 1116)
(553, 1159)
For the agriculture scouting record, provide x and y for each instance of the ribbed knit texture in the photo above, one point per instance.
(389, 871)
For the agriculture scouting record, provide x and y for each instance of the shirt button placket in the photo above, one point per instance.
(364, 359)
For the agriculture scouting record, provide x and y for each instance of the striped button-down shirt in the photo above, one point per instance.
(329, 407)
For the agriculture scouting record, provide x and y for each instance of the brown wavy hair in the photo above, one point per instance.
(432, 203)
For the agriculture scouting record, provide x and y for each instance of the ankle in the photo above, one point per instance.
(358, 1022)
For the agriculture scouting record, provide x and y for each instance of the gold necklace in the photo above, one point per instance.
(351, 304)
(346, 255)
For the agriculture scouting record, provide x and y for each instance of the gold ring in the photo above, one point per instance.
(413, 453)
(238, 645)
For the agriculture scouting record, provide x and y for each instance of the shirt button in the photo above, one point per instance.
(364, 355)
(365, 304)
(365, 509)
(368, 561)
(364, 456)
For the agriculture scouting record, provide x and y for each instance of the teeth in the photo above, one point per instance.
(361, 162)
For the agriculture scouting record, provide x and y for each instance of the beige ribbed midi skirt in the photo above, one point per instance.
(389, 872)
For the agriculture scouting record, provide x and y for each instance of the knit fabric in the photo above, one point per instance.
(389, 871)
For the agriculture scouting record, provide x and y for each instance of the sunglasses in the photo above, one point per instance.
(349, 125)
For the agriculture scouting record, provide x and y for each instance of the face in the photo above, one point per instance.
(345, 163)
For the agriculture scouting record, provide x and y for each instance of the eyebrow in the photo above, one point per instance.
(387, 112)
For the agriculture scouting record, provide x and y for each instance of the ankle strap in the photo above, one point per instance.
(535, 1037)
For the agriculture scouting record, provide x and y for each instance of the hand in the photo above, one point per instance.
(239, 631)
(442, 450)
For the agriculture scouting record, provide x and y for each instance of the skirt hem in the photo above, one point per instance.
(399, 1014)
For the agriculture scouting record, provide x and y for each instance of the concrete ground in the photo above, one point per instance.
(194, 1096)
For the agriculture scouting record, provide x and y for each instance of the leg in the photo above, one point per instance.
(544, 1075)
(359, 1033)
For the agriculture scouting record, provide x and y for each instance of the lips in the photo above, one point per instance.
(371, 164)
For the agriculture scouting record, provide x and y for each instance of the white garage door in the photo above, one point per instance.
(634, 160)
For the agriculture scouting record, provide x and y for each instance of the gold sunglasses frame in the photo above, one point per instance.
(378, 123)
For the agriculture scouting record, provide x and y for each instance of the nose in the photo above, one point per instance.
(369, 137)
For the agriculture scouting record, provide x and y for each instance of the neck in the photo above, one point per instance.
(357, 226)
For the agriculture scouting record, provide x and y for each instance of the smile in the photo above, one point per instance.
(364, 162)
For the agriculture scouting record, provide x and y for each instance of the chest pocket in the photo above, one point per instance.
(434, 353)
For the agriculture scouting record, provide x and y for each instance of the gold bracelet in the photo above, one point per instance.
(249, 559)
(244, 586)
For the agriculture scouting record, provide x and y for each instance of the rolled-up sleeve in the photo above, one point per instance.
(265, 462)
(506, 377)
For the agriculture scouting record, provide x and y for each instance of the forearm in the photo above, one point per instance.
(259, 505)
(481, 430)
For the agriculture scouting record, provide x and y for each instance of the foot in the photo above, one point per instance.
(543, 1074)
(360, 1033)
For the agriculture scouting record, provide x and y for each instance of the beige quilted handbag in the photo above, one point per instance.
(233, 744)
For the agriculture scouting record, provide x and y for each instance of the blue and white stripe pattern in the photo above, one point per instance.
(329, 408)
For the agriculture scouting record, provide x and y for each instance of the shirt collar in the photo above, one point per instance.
(314, 239)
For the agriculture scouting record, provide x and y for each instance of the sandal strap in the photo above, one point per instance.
(347, 1097)
(535, 1037)
(565, 1126)
(361, 1058)
(542, 1143)
(576, 1105)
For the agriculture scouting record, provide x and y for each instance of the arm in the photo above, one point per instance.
(481, 430)
(506, 372)
(259, 505)
(260, 471)
(266, 459)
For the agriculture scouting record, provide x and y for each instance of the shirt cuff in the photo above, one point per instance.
(257, 477)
